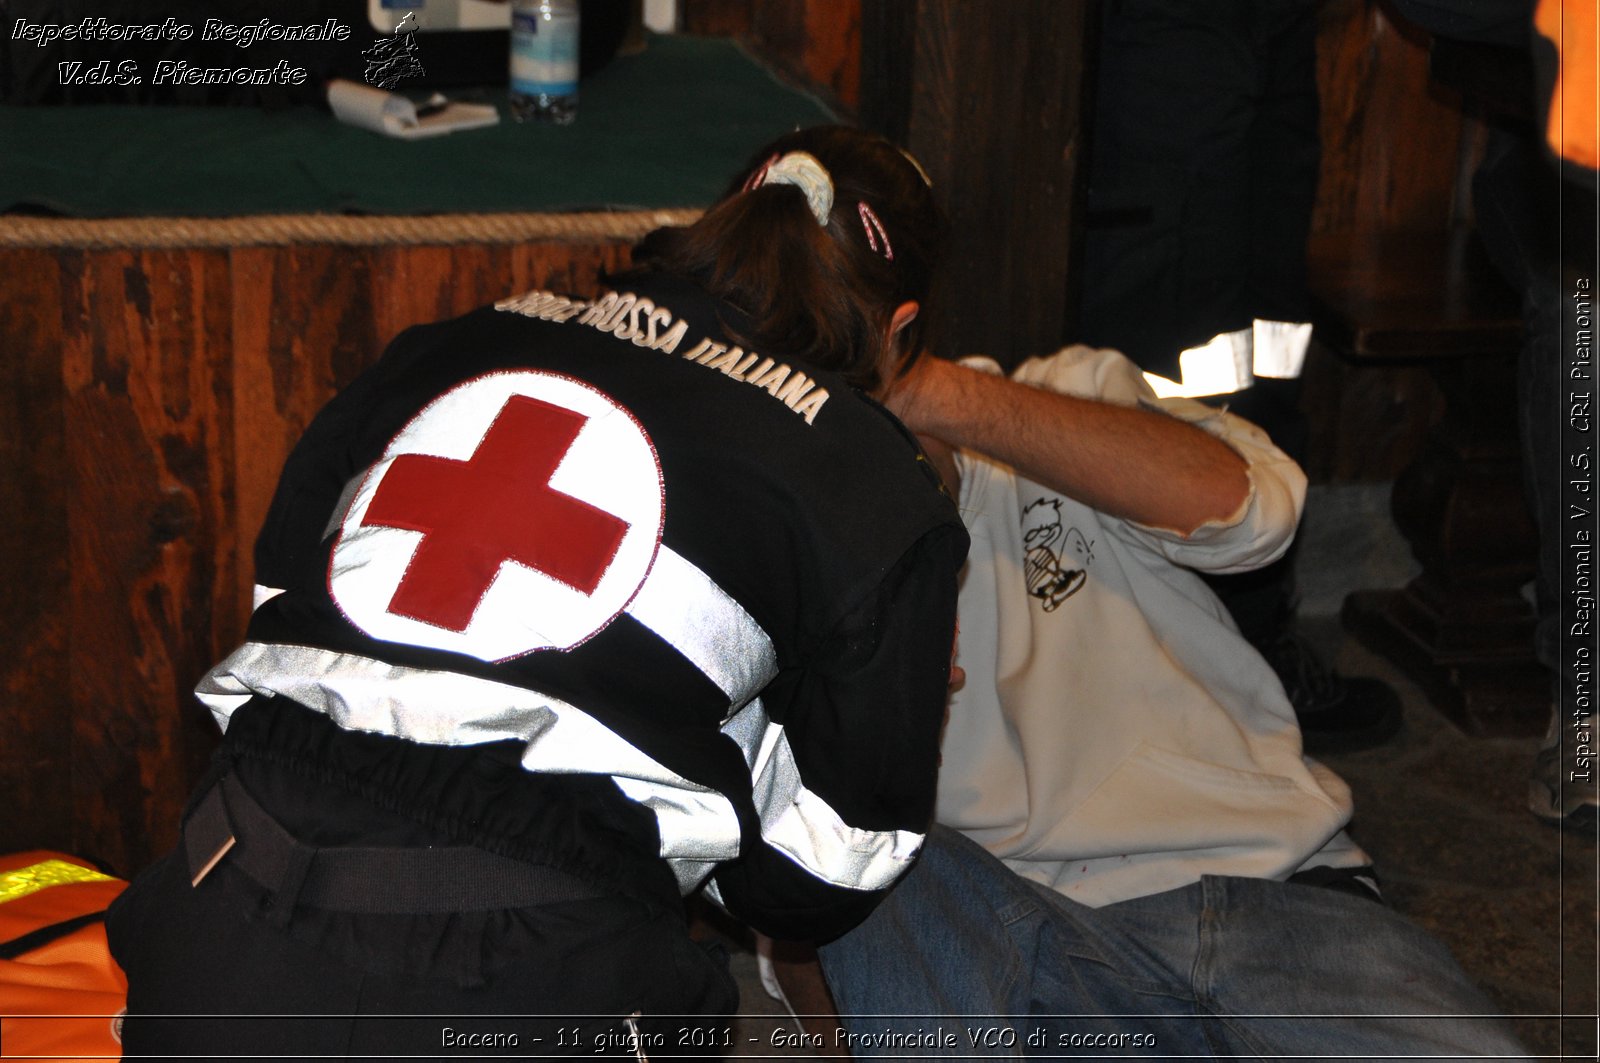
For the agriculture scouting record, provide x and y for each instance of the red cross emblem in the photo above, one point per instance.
(519, 511)
(496, 506)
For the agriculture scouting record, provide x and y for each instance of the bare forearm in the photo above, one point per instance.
(1128, 462)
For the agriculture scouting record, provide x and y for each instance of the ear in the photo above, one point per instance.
(904, 314)
(893, 358)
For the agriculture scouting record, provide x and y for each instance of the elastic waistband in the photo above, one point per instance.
(228, 824)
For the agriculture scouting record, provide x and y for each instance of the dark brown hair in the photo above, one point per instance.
(819, 292)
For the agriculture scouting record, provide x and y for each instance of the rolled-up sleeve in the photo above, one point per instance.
(1258, 532)
(1263, 526)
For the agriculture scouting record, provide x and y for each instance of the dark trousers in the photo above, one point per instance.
(211, 974)
(1203, 174)
(1541, 237)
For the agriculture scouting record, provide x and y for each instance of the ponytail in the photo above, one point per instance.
(817, 271)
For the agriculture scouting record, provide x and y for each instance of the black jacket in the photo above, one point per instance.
(584, 583)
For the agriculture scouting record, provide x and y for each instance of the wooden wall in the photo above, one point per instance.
(1397, 147)
(1397, 155)
(147, 397)
(146, 403)
(814, 42)
(991, 97)
(991, 93)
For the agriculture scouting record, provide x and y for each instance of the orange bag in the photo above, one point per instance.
(1571, 127)
(61, 993)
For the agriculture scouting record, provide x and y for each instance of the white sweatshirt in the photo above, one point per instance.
(1116, 737)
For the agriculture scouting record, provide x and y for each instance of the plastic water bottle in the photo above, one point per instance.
(544, 60)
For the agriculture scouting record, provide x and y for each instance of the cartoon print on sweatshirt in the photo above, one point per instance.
(1045, 541)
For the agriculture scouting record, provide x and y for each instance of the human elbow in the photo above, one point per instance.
(1268, 521)
(1280, 501)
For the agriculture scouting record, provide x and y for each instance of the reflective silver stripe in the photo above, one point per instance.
(697, 824)
(703, 622)
(1279, 347)
(1220, 366)
(714, 894)
(347, 498)
(1231, 361)
(817, 839)
(691, 873)
(694, 616)
(804, 827)
(363, 694)
(260, 596)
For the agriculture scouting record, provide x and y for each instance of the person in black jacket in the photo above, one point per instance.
(568, 608)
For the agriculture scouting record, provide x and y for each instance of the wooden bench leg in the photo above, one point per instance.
(1463, 629)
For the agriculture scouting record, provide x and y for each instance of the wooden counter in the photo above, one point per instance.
(152, 378)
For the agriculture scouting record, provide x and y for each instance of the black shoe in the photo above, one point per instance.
(1337, 714)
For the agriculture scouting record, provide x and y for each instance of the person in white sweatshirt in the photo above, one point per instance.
(1132, 853)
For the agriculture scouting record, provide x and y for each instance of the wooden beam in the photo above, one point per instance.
(993, 99)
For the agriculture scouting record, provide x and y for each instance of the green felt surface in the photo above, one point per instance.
(664, 128)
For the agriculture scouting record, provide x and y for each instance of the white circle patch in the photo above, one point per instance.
(519, 511)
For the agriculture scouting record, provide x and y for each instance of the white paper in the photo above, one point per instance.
(395, 116)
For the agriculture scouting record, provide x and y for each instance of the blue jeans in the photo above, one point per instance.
(1538, 248)
(1227, 967)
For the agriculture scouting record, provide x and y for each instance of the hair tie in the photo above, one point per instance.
(875, 230)
(800, 170)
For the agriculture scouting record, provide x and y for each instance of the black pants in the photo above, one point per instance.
(210, 975)
(1203, 175)
(1541, 237)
